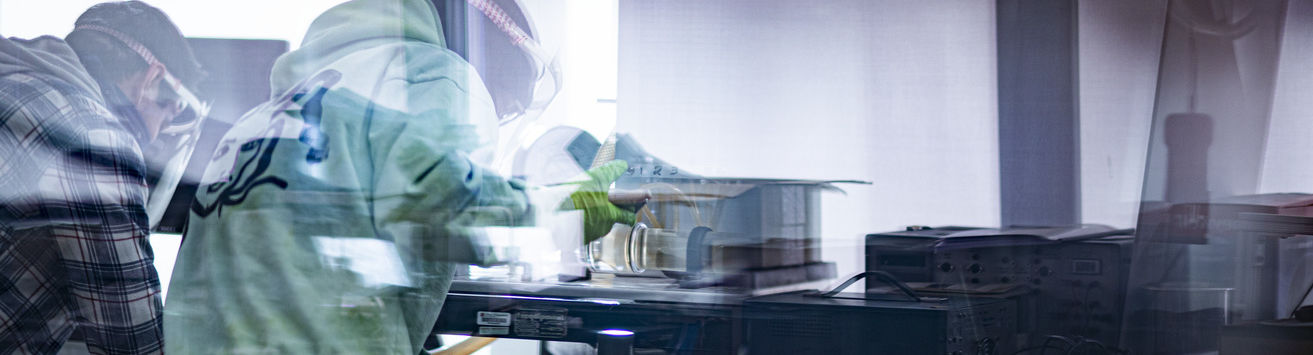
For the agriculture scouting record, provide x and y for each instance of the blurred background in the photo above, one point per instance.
(903, 94)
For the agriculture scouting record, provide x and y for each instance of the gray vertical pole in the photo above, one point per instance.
(1038, 117)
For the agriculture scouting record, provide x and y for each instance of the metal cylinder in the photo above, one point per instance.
(615, 342)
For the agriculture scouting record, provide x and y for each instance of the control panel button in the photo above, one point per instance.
(946, 267)
(1086, 267)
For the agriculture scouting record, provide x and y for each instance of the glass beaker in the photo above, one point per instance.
(638, 250)
(615, 251)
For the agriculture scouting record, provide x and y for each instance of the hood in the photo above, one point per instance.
(47, 55)
(354, 26)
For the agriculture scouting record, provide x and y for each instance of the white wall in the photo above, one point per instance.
(1120, 42)
(1286, 164)
(899, 93)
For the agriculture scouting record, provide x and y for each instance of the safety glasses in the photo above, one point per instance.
(191, 111)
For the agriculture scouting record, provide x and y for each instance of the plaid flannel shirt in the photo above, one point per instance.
(74, 253)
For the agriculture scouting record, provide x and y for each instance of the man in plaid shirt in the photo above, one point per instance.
(75, 117)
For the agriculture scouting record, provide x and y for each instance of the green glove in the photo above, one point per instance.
(599, 213)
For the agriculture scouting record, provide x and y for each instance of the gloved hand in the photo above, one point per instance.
(599, 213)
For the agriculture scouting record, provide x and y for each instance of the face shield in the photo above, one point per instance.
(547, 70)
(522, 77)
(166, 156)
(547, 83)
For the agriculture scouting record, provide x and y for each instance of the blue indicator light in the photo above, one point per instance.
(617, 332)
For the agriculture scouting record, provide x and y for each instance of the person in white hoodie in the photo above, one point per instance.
(330, 219)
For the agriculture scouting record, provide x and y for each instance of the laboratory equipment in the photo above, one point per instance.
(1067, 281)
(741, 232)
(1203, 265)
(1275, 338)
(615, 342)
(701, 231)
(809, 322)
(662, 316)
(678, 279)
